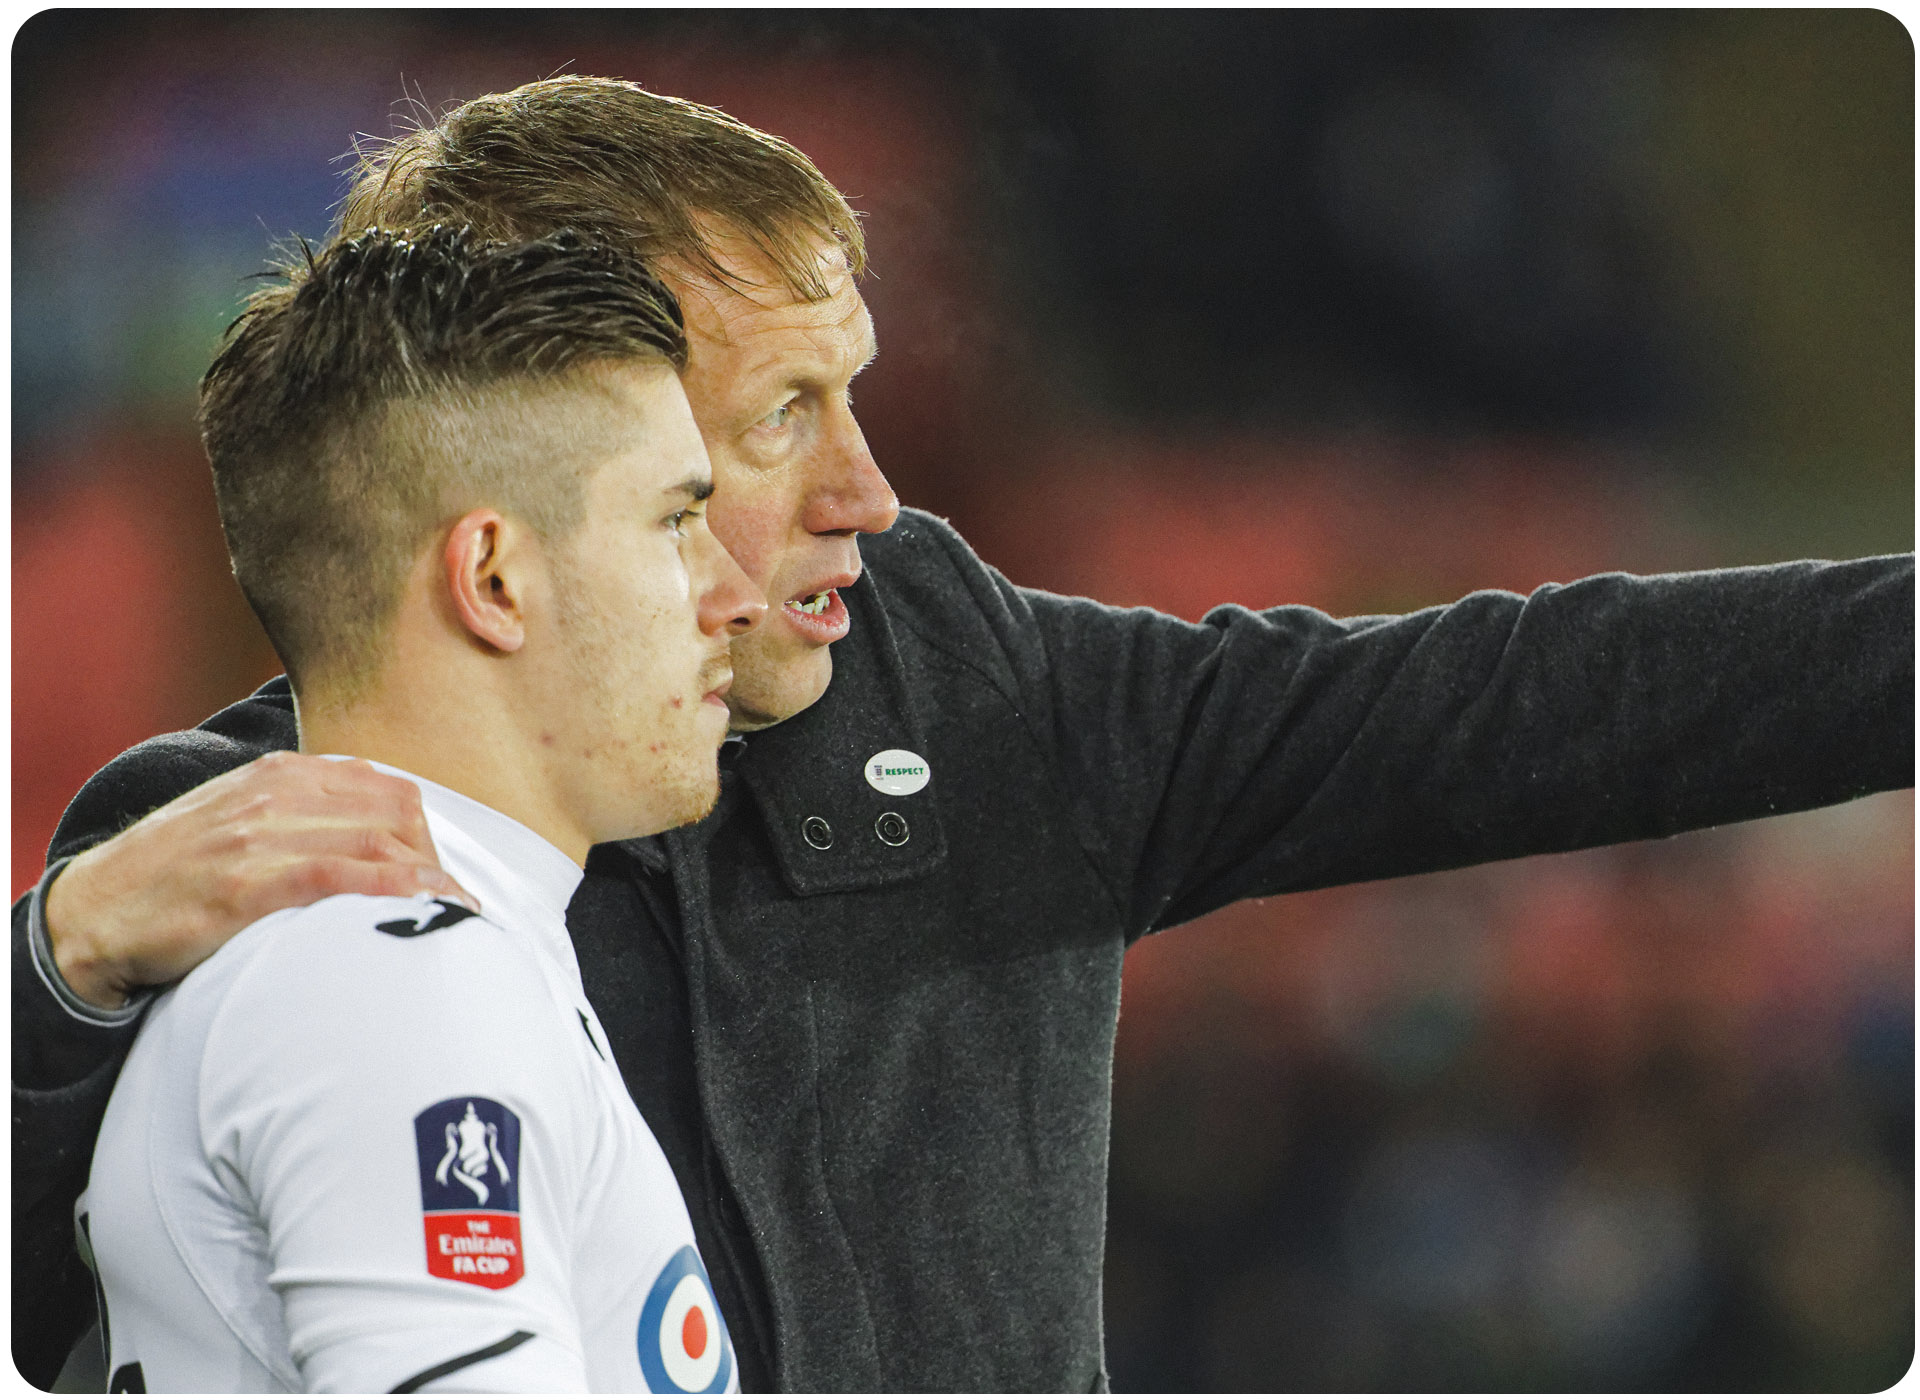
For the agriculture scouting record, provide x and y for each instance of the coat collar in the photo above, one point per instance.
(812, 769)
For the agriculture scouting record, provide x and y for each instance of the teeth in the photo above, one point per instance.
(816, 605)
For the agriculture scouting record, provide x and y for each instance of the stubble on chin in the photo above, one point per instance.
(768, 690)
(661, 797)
(702, 805)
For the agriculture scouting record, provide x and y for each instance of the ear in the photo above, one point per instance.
(487, 563)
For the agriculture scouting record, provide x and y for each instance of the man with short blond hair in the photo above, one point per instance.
(869, 1004)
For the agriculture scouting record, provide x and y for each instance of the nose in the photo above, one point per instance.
(849, 495)
(730, 602)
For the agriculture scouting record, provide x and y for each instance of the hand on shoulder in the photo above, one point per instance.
(149, 905)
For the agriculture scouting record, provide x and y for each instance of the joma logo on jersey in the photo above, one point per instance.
(469, 1150)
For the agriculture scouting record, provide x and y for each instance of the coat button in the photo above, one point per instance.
(891, 828)
(817, 833)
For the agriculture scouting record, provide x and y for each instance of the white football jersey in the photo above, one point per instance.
(379, 1144)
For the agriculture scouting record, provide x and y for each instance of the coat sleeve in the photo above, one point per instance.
(1264, 752)
(54, 1124)
(64, 1066)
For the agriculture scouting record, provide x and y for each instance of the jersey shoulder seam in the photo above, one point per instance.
(164, 1207)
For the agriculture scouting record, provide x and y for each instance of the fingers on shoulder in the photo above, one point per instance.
(396, 872)
(303, 797)
(274, 788)
(282, 771)
(285, 772)
(383, 801)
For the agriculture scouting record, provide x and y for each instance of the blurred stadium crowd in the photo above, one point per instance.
(1363, 310)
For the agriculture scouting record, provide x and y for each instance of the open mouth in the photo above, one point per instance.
(820, 618)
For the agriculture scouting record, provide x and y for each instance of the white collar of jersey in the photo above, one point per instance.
(512, 870)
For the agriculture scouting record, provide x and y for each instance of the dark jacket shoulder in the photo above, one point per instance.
(932, 582)
(153, 773)
(1025, 643)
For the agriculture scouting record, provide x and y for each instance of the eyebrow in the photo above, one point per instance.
(808, 380)
(695, 488)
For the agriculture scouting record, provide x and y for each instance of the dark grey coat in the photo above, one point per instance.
(900, 1053)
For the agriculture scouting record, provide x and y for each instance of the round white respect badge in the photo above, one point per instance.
(897, 772)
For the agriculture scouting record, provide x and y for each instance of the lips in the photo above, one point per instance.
(716, 679)
(819, 616)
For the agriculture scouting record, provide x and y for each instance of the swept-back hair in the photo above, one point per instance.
(650, 173)
(393, 382)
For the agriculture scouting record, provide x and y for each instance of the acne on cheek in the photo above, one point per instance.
(609, 749)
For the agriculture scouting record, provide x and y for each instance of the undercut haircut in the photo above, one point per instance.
(385, 387)
(634, 169)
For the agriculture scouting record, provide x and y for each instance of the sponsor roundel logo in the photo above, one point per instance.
(470, 1191)
(897, 772)
(684, 1346)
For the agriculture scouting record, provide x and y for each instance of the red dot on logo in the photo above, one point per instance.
(693, 1333)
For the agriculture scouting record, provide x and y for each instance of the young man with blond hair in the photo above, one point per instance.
(375, 1143)
(869, 1003)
